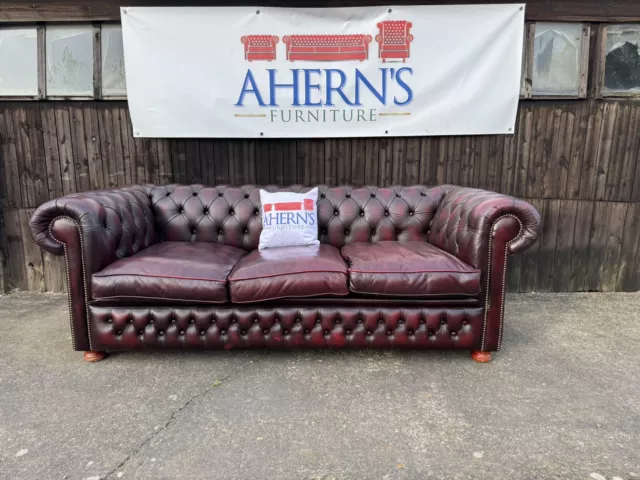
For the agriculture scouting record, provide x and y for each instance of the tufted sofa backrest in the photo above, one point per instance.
(231, 215)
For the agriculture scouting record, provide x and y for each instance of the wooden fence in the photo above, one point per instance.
(576, 161)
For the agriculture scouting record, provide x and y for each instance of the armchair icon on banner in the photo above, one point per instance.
(394, 40)
(259, 47)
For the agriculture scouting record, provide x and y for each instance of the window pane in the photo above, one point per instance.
(113, 79)
(622, 68)
(556, 59)
(19, 61)
(70, 60)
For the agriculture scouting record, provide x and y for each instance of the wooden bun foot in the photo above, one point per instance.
(94, 356)
(480, 356)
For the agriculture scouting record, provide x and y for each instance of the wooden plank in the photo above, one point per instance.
(165, 173)
(454, 160)
(467, 160)
(11, 182)
(592, 147)
(331, 161)
(580, 246)
(221, 162)
(126, 133)
(32, 254)
(616, 216)
(38, 153)
(612, 178)
(529, 271)
(623, 163)
(92, 139)
(192, 157)
(597, 245)
(79, 147)
(539, 152)
(248, 163)
(398, 159)
(54, 273)
(262, 162)
(276, 162)
(124, 170)
(290, 163)
(371, 163)
(514, 272)
(103, 10)
(565, 233)
(493, 159)
(358, 154)
(303, 152)
(571, 188)
(317, 163)
(384, 161)
(612, 118)
(23, 149)
(16, 261)
(150, 146)
(235, 162)
(343, 161)
(65, 150)
(427, 161)
(554, 179)
(548, 238)
(628, 271)
(178, 161)
(523, 148)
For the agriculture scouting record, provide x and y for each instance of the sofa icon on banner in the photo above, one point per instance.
(393, 43)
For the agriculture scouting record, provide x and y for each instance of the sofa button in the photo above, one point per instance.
(348, 332)
(205, 211)
(400, 322)
(192, 321)
(231, 211)
(373, 232)
(322, 195)
(223, 332)
(298, 320)
(326, 333)
(246, 195)
(256, 212)
(193, 231)
(220, 194)
(195, 194)
(386, 213)
(422, 194)
(234, 321)
(161, 333)
(219, 231)
(286, 332)
(360, 322)
(141, 332)
(180, 210)
(243, 332)
(324, 231)
(109, 320)
(130, 321)
(369, 332)
(347, 232)
(306, 332)
(151, 321)
(421, 322)
(202, 333)
(442, 322)
(336, 213)
(265, 332)
(373, 195)
(454, 334)
(380, 322)
(390, 332)
(411, 213)
(318, 321)
(246, 230)
(119, 332)
(168, 193)
(255, 320)
(410, 332)
(398, 232)
(181, 332)
(464, 322)
(362, 213)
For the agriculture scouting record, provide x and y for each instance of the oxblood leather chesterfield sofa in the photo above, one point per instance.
(176, 267)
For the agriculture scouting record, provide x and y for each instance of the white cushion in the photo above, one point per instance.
(288, 219)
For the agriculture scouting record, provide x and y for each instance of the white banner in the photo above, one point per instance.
(335, 72)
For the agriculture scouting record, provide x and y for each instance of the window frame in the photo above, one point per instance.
(98, 53)
(40, 39)
(600, 65)
(526, 90)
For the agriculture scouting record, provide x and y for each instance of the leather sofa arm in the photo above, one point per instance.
(92, 230)
(112, 224)
(465, 218)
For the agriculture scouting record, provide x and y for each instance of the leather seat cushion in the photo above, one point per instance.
(408, 269)
(289, 272)
(180, 271)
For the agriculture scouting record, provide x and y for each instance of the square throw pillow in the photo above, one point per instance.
(289, 219)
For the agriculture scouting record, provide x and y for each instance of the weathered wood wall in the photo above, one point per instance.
(577, 162)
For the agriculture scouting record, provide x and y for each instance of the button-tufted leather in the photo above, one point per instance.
(317, 327)
(291, 272)
(408, 269)
(95, 229)
(174, 271)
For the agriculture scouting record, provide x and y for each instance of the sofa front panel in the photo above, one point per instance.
(122, 328)
(231, 215)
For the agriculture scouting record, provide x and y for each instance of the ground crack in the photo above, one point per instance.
(172, 418)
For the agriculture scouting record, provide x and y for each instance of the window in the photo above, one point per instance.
(69, 60)
(556, 60)
(113, 78)
(19, 62)
(622, 60)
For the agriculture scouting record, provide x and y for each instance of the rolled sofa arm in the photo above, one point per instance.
(482, 228)
(464, 219)
(93, 230)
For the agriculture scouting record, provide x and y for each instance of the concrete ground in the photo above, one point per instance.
(561, 400)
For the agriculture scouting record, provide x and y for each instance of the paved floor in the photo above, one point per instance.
(561, 400)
